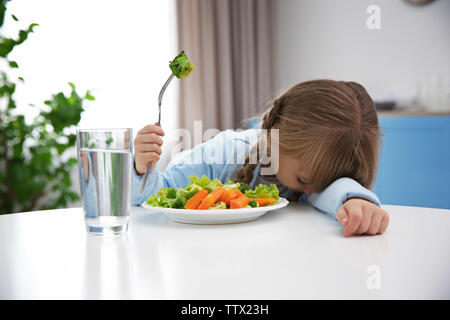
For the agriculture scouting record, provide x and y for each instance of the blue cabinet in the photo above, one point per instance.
(414, 164)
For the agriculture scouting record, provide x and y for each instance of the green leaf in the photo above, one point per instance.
(66, 180)
(89, 97)
(72, 139)
(65, 111)
(32, 26)
(72, 162)
(13, 64)
(7, 45)
(264, 191)
(73, 196)
(153, 200)
(205, 182)
(14, 17)
(61, 148)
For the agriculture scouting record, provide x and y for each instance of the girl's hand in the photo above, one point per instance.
(147, 147)
(360, 216)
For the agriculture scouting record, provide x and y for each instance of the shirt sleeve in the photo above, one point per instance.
(331, 199)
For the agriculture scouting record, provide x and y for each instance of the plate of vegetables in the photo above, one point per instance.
(206, 201)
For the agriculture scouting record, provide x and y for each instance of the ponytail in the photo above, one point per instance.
(270, 118)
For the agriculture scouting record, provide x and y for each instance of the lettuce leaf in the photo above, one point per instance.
(167, 198)
(205, 183)
(153, 200)
(231, 185)
(263, 191)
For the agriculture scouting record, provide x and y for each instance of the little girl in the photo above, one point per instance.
(328, 139)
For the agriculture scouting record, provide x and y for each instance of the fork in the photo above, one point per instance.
(161, 93)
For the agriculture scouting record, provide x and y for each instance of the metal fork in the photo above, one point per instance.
(161, 93)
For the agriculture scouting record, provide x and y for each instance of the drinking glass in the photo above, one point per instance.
(104, 167)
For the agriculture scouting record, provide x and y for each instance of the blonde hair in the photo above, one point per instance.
(330, 126)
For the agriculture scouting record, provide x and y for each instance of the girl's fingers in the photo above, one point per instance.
(149, 147)
(149, 138)
(355, 218)
(366, 222)
(342, 216)
(149, 156)
(384, 223)
(143, 159)
(375, 224)
(151, 128)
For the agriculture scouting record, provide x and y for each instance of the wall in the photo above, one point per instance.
(330, 39)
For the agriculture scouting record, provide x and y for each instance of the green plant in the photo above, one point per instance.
(32, 155)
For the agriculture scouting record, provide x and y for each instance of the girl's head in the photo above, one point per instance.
(327, 130)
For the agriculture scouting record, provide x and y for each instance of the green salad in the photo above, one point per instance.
(206, 194)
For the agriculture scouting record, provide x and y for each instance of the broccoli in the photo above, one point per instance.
(180, 66)
(253, 204)
(167, 193)
(243, 187)
(177, 203)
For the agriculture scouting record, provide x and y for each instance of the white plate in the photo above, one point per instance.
(217, 216)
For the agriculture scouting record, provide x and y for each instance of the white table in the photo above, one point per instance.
(293, 253)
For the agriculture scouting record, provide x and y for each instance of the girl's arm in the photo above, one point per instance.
(214, 158)
(331, 199)
(175, 176)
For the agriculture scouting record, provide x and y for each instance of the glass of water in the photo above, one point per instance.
(104, 167)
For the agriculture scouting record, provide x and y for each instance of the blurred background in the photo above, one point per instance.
(245, 52)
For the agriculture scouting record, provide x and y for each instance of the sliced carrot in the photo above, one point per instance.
(263, 201)
(228, 195)
(238, 193)
(224, 195)
(210, 199)
(239, 202)
(207, 202)
(217, 193)
(195, 200)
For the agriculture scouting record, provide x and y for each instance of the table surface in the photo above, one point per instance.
(292, 253)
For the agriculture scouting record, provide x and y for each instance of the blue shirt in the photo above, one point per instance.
(220, 157)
